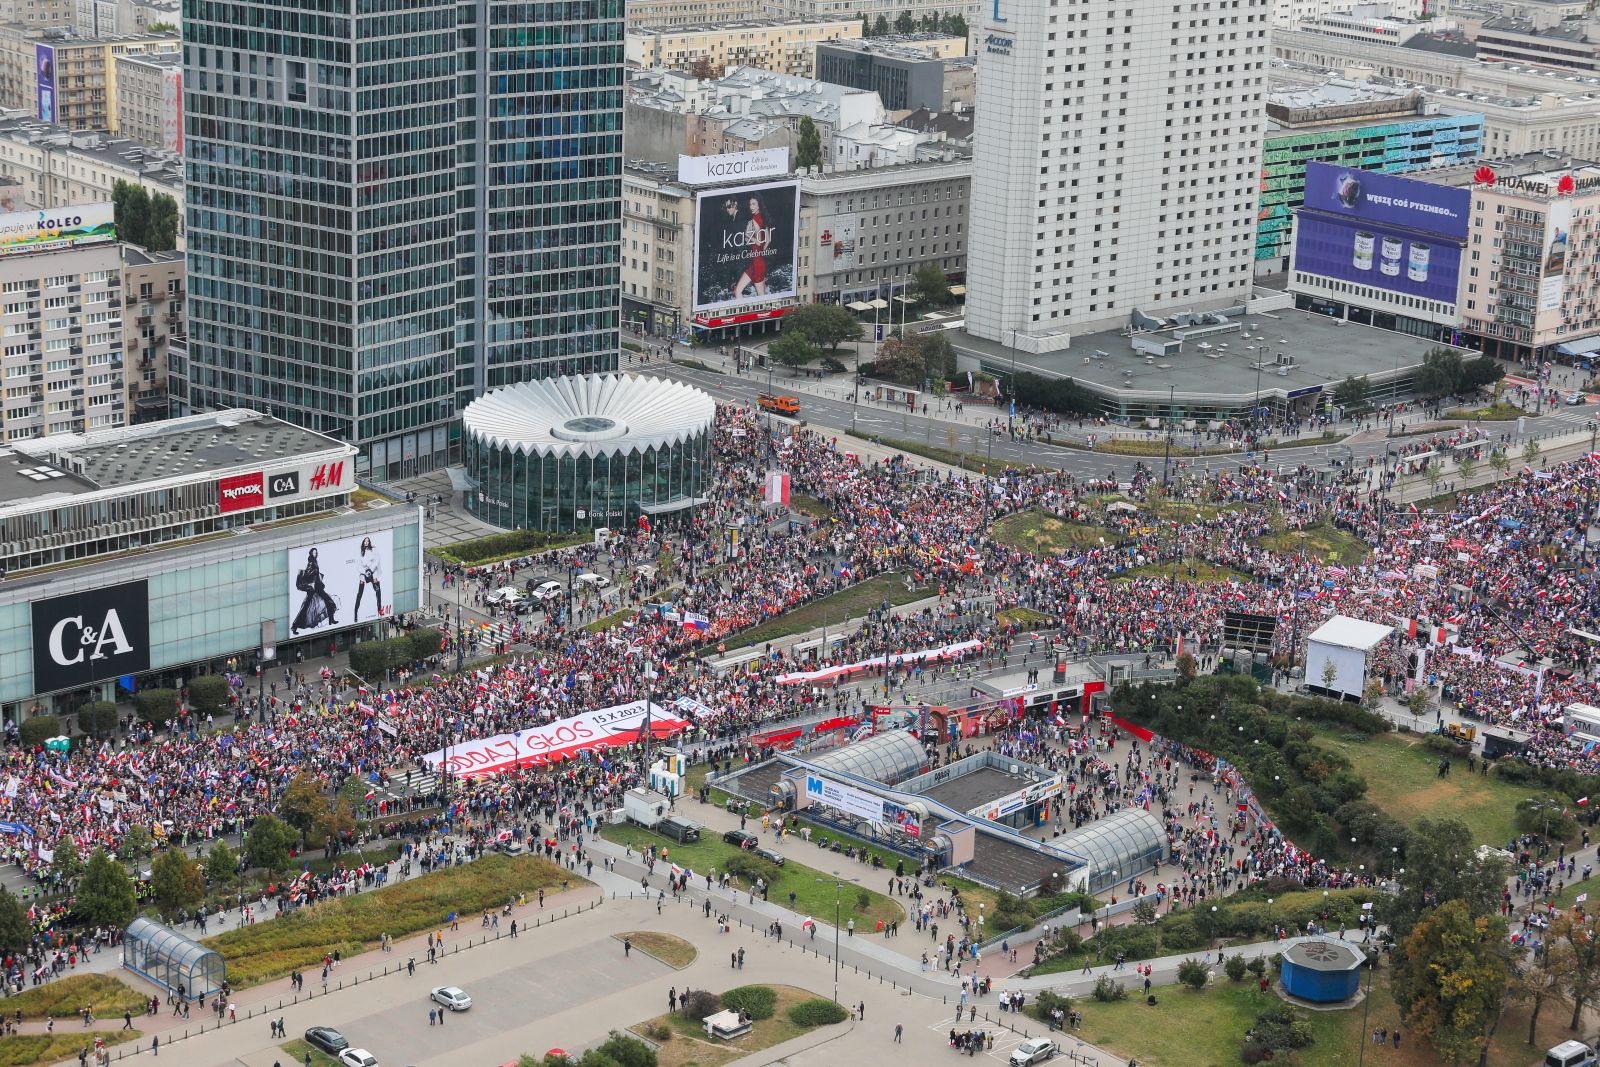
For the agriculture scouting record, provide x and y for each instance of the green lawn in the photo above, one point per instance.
(686, 1044)
(1039, 531)
(1403, 779)
(297, 1049)
(973, 462)
(1025, 617)
(1324, 541)
(809, 505)
(1193, 570)
(22, 1050)
(606, 622)
(812, 897)
(105, 994)
(833, 609)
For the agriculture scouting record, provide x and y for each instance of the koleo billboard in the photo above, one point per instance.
(35, 231)
(733, 166)
(92, 636)
(341, 583)
(745, 244)
(1382, 231)
(1388, 200)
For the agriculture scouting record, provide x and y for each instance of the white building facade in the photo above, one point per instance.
(1119, 159)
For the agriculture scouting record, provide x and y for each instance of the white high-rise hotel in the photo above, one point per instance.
(1117, 162)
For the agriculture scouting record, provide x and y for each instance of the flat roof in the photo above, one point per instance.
(1325, 352)
(977, 788)
(23, 477)
(1342, 631)
(150, 452)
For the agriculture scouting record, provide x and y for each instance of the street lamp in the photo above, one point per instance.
(1011, 413)
(838, 881)
(1172, 417)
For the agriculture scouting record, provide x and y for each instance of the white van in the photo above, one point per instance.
(1570, 1054)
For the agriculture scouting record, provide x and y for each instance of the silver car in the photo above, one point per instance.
(451, 997)
(1030, 1052)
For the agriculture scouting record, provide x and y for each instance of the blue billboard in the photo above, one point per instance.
(1383, 231)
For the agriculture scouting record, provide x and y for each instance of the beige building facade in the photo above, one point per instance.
(788, 46)
(70, 81)
(153, 287)
(150, 100)
(53, 166)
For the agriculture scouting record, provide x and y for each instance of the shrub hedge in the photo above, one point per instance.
(756, 1001)
(817, 1012)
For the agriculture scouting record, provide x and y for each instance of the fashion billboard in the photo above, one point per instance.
(35, 231)
(745, 244)
(1383, 231)
(733, 166)
(1557, 233)
(44, 61)
(341, 583)
(92, 636)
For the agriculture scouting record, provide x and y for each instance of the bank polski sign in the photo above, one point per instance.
(733, 166)
(857, 802)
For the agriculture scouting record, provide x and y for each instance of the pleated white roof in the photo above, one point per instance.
(590, 414)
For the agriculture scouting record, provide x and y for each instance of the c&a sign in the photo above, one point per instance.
(91, 636)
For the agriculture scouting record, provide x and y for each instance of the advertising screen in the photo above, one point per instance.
(172, 110)
(1383, 231)
(836, 245)
(1388, 200)
(340, 583)
(92, 636)
(44, 59)
(1557, 231)
(733, 166)
(745, 244)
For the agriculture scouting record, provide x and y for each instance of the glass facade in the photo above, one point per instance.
(392, 209)
(171, 960)
(1123, 844)
(575, 490)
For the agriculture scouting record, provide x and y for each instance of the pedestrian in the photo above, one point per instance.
(127, 1020)
(861, 1010)
(155, 1048)
(627, 946)
(897, 1029)
(431, 1014)
(411, 966)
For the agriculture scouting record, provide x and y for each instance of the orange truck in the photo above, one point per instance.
(780, 405)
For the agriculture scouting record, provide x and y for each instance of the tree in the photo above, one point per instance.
(824, 325)
(162, 232)
(67, 862)
(899, 361)
(38, 730)
(1352, 394)
(98, 718)
(136, 843)
(1579, 938)
(1193, 973)
(1144, 912)
(866, 25)
(303, 805)
(1441, 372)
(1433, 474)
(1500, 461)
(1236, 968)
(1330, 671)
(621, 1050)
(15, 931)
(905, 22)
(954, 25)
(105, 894)
(267, 844)
(1417, 702)
(938, 355)
(930, 286)
(1187, 667)
(1467, 466)
(176, 881)
(1530, 453)
(1442, 864)
(130, 209)
(208, 694)
(880, 28)
(222, 865)
(156, 706)
(791, 350)
(1453, 979)
(808, 153)
(703, 69)
(1544, 980)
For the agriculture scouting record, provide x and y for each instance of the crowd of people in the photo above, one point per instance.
(1484, 595)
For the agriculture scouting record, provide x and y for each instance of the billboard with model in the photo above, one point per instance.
(745, 244)
(341, 583)
(1383, 231)
(44, 59)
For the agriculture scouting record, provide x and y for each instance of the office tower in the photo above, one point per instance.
(393, 209)
(1119, 150)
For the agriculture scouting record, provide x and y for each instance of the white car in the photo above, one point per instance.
(358, 1057)
(547, 591)
(507, 594)
(1030, 1052)
(599, 581)
(451, 997)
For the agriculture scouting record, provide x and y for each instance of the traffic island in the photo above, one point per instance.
(776, 1014)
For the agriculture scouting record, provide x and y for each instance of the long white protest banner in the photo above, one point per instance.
(555, 741)
(898, 659)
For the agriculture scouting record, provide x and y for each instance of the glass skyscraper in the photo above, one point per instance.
(393, 207)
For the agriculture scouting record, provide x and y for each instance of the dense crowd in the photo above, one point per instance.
(1474, 591)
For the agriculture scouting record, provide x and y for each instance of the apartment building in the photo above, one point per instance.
(153, 286)
(68, 80)
(788, 46)
(150, 100)
(55, 166)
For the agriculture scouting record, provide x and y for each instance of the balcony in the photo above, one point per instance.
(143, 320)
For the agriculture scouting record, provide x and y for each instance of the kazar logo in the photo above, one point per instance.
(285, 483)
(240, 492)
(90, 637)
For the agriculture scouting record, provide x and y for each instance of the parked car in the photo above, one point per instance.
(770, 856)
(326, 1039)
(1030, 1052)
(451, 997)
(742, 838)
(1577, 399)
(507, 594)
(599, 581)
(547, 591)
(357, 1057)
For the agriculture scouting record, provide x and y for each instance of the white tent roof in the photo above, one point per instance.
(590, 415)
(1342, 631)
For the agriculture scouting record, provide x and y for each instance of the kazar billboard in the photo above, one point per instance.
(745, 241)
(1383, 231)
